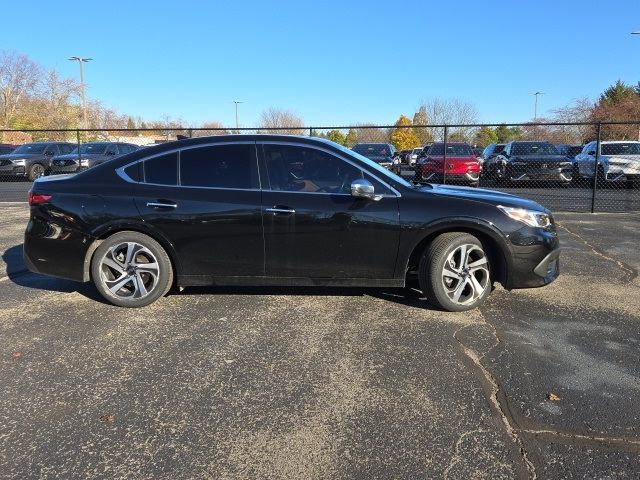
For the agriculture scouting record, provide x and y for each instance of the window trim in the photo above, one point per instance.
(397, 194)
(120, 171)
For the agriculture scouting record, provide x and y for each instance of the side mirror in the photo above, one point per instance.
(49, 153)
(362, 188)
(591, 152)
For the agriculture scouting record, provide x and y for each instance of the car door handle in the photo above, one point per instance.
(277, 210)
(161, 205)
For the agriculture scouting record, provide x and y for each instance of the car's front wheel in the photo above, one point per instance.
(131, 269)
(455, 273)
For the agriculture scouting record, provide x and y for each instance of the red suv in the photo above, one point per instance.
(462, 165)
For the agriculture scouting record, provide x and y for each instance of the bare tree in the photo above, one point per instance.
(19, 77)
(369, 133)
(451, 111)
(286, 122)
(216, 129)
(580, 110)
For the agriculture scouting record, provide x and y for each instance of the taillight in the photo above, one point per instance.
(38, 198)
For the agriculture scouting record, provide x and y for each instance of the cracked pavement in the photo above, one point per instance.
(308, 383)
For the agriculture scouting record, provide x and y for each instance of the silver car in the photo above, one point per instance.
(618, 161)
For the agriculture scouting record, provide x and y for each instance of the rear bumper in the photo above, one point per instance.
(52, 250)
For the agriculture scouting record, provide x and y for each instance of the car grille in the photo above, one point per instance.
(63, 163)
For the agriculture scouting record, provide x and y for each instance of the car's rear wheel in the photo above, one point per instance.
(455, 273)
(131, 269)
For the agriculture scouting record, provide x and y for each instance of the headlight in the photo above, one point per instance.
(530, 217)
(84, 162)
(20, 161)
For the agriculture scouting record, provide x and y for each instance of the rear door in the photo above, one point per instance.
(313, 227)
(206, 201)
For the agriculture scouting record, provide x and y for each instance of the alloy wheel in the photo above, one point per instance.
(129, 270)
(465, 275)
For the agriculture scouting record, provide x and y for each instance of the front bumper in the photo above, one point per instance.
(535, 259)
(439, 177)
(525, 173)
(12, 170)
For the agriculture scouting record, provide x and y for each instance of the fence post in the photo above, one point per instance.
(444, 157)
(311, 131)
(595, 170)
(78, 140)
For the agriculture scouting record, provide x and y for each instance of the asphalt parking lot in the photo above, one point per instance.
(307, 383)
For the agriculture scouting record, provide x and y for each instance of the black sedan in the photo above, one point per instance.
(280, 210)
(522, 161)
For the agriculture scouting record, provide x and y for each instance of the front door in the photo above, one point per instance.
(314, 228)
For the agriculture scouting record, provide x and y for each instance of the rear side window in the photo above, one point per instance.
(219, 166)
(162, 170)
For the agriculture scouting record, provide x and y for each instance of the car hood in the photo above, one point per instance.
(74, 156)
(17, 156)
(492, 197)
(539, 158)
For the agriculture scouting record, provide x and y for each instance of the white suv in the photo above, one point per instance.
(618, 161)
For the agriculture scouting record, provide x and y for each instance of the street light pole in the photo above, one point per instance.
(535, 105)
(237, 124)
(80, 61)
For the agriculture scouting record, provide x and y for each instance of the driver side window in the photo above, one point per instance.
(301, 169)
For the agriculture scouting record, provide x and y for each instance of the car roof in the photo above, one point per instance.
(617, 141)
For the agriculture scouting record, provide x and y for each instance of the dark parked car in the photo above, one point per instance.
(90, 155)
(569, 151)
(280, 210)
(525, 161)
(7, 148)
(462, 166)
(491, 151)
(31, 160)
(381, 153)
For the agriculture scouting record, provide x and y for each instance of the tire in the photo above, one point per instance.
(137, 285)
(470, 286)
(35, 171)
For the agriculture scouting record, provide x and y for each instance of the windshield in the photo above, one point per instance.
(95, 148)
(31, 148)
(620, 148)
(392, 176)
(533, 148)
(373, 149)
(453, 150)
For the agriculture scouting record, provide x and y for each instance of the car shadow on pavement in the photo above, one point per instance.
(404, 296)
(17, 273)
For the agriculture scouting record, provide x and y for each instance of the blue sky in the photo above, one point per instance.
(331, 62)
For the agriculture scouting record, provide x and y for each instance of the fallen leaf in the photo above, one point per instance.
(227, 360)
(16, 355)
(107, 418)
(553, 397)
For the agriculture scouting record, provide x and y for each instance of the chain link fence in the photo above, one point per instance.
(578, 167)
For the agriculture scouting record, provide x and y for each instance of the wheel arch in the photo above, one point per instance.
(105, 231)
(493, 241)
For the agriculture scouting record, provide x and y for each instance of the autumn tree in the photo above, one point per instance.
(336, 136)
(505, 134)
(619, 102)
(451, 111)
(19, 78)
(485, 136)
(351, 138)
(422, 118)
(403, 137)
(277, 121)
